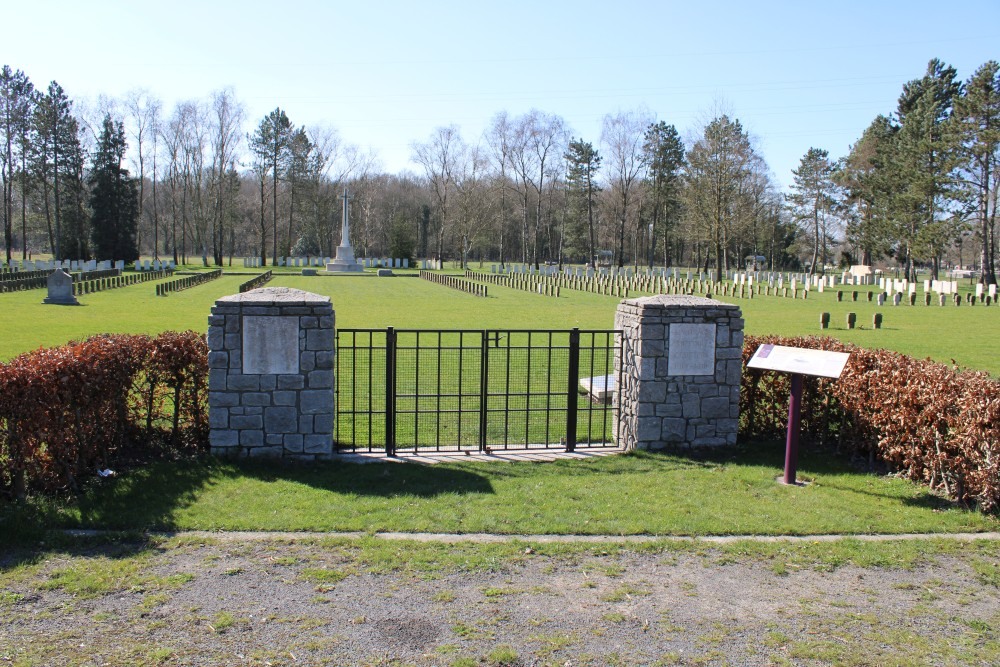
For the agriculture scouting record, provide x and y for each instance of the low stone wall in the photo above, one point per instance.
(271, 374)
(679, 367)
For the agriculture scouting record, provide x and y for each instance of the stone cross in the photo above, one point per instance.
(345, 229)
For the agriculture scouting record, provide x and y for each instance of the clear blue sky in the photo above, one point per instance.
(385, 74)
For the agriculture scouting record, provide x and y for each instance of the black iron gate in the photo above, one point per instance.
(473, 389)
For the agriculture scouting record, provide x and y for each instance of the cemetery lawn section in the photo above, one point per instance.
(965, 334)
(724, 493)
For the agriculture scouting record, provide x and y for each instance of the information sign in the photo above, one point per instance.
(821, 363)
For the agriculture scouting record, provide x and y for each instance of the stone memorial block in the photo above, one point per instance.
(680, 371)
(897, 298)
(60, 289)
(271, 383)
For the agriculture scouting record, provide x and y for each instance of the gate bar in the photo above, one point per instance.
(390, 392)
(572, 397)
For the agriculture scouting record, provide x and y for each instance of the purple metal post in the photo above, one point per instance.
(792, 439)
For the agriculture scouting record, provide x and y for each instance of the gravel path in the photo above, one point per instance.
(243, 600)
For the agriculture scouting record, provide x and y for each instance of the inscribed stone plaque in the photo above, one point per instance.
(692, 349)
(271, 345)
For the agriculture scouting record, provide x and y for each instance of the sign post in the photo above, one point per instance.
(797, 362)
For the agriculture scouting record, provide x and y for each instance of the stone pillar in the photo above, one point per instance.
(680, 368)
(270, 386)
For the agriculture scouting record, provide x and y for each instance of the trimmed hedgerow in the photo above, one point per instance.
(68, 411)
(931, 422)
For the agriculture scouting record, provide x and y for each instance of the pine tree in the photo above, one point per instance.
(114, 197)
(977, 128)
(866, 176)
(16, 93)
(55, 133)
(812, 199)
(925, 162)
(583, 163)
(270, 147)
(664, 156)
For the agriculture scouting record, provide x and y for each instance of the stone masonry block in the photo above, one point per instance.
(284, 397)
(243, 382)
(316, 401)
(218, 418)
(243, 422)
(320, 379)
(217, 399)
(257, 398)
(307, 361)
(251, 438)
(215, 338)
(281, 420)
(323, 423)
(217, 379)
(319, 339)
(305, 424)
(223, 438)
(715, 408)
(325, 360)
(265, 452)
(318, 444)
(291, 382)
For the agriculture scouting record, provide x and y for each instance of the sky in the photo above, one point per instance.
(385, 74)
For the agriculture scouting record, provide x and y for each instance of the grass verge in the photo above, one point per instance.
(731, 493)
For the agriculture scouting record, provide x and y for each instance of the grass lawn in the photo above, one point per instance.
(966, 334)
(659, 494)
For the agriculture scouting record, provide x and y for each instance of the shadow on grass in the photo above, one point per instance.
(148, 498)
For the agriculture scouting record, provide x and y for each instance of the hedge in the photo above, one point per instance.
(68, 411)
(930, 422)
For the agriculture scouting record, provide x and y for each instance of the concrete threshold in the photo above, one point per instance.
(489, 456)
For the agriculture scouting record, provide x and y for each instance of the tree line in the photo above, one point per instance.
(919, 186)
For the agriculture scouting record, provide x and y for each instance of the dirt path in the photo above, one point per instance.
(238, 601)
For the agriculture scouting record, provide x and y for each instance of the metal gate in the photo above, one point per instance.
(473, 390)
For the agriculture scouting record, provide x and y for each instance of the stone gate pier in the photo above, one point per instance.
(679, 368)
(270, 385)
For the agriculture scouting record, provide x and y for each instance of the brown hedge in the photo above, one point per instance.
(66, 412)
(931, 422)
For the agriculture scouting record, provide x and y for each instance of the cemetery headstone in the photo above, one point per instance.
(60, 289)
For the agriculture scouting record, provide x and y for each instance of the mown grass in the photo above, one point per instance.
(653, 494)
(964, 334)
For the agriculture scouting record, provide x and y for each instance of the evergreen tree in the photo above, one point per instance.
(114, 197)
(664, 156)
(977, 128)
(866, 176)
(925, 165)
(75, 240)
(16, 94)
(583, 163)
(719, 166)
(270, 147)
(812, 199)
(55, 135)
